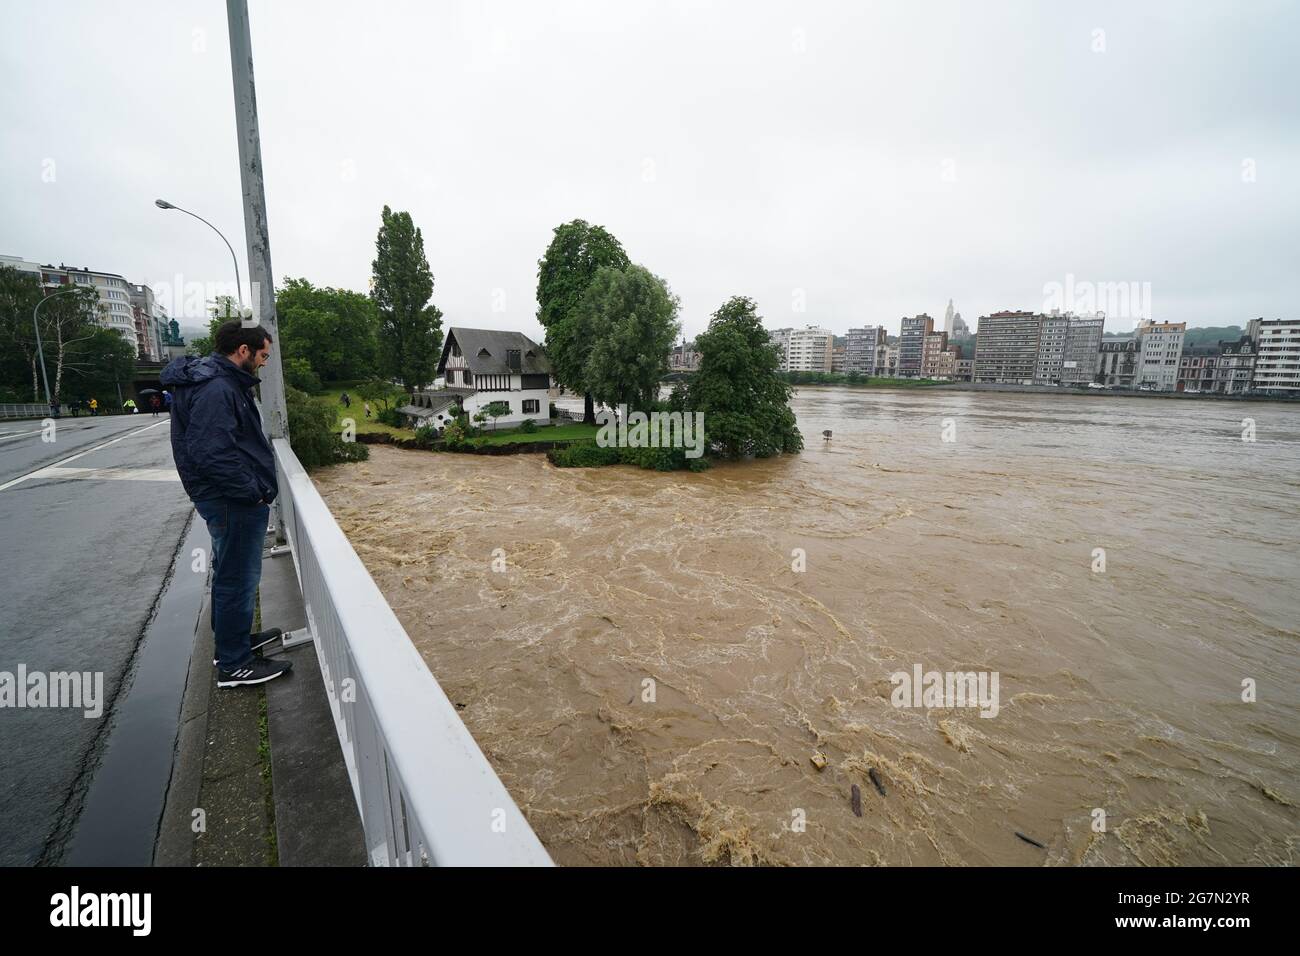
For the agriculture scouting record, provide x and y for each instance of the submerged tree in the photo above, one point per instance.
(739, 388)
(630, 318)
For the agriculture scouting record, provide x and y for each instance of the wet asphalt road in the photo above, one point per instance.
(87, 544)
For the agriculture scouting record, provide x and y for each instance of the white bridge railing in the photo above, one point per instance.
(26, 410)
(426, 793)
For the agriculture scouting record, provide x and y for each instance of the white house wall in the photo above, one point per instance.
(476, 402)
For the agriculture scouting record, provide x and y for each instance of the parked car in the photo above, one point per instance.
(1096, 385)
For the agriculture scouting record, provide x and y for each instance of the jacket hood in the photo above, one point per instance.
(191, 370)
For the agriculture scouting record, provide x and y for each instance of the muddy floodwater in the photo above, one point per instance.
(652, 675)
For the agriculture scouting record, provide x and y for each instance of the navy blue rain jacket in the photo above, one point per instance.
(217, 438)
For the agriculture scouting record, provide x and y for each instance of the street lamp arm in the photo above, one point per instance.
(238, 291)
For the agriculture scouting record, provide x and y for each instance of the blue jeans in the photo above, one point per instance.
(238, 532)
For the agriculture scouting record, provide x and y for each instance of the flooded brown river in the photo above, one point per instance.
(651, 676)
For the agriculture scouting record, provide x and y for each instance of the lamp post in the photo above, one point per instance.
(39, 351)
(164, 204)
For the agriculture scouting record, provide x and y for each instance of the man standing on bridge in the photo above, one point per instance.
(228, 469)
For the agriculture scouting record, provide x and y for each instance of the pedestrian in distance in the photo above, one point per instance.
(54, 407)
(167, 400)
(155, 405)
(367, 409)
(129, 406)
(347, 402)
(227, 467)
(94, 406)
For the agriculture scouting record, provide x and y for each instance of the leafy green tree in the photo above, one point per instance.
(299, 374)
(19, 294)
(410, 329)
(492, 411)
(739, 387)
(96, 365)
(631, 319)
(576, 253)
(335, 330)
(383, 393)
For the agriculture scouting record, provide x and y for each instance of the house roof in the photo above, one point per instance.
(485, 351)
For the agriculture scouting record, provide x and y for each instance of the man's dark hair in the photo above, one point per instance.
(231, 335)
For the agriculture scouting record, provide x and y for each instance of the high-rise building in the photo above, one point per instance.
(1277, 363)
(861, 347)
(151, 324)
(932, 366)
(810, 350)
(911, 344)
(1082, 343)
(1160, 345)
(781, 339)
(1052, 331)
(1006, 347)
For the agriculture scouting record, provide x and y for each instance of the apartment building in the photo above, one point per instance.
(862, 350)
(1006, 348)
(1083, 338)
(1277, 362)
(781, 339)
(115, 311)
(1117, 362)
(1160, 344)
(933, 346)
(1052, 331)
(152, 325)
(911, 344)
(809, 350)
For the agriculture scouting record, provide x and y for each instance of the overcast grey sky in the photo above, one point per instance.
(863, 160)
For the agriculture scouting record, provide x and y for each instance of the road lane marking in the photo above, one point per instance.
(81, 454)
(113, 474)
(20, 434)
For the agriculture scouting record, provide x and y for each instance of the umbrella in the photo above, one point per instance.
(147, 391)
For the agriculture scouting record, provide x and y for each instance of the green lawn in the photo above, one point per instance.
(509, 436)
(330, 398)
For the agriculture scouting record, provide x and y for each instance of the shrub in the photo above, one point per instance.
(455, 435)
(389, 416)
(583, 455)
(310, 428)
(529, 427)
(555, 410)
(426, 435)
(350, 450)
(699, 464)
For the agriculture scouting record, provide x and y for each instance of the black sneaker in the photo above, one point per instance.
(259, 640)
(257, 671)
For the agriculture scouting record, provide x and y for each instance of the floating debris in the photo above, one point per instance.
(875, 779)
(827, 434)
(855, 800)
(1030, 840)
(818, 760)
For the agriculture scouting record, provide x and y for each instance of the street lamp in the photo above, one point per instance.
(164, 204)
(39, 351)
